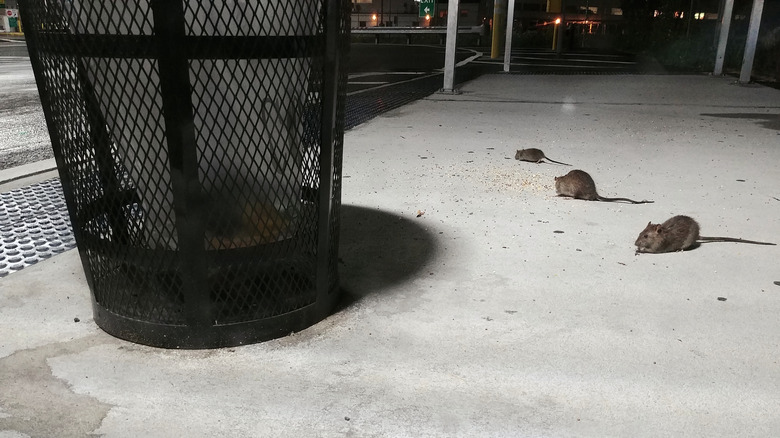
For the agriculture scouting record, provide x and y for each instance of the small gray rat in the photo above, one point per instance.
(579, 185)
(534, 155)
(677, 234)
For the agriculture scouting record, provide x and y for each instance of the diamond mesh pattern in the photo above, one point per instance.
(243, 18)
(188, 137)
(100, 17)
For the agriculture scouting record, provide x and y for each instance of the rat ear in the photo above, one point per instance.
(649, 223)
(658, 228)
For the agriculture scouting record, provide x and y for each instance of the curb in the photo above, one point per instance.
(26, 171)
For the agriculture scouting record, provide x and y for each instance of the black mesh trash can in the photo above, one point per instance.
(199, 147)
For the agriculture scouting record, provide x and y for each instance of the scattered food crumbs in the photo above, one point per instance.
(740, 180)
(621, 263)
(721, 298)
(777, 283)
(76, 320)
(346, 418)
(420, 213)
(501, 177)
(511, 312)
(558, 232)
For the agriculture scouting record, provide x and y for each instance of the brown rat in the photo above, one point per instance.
(579, 185)
(677, 234)
(534, 155)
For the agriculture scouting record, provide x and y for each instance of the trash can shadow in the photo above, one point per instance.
(380, 249)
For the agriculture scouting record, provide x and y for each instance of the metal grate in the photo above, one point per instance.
(199, 145)
(34, 225)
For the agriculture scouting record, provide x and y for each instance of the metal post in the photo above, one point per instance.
(449, 53)
(176, 93)
(688, 25)
(561, 32)
(752, 38)
(723, 37)
(499, 24)
(559, 38)
(328, 137)
(510, 18)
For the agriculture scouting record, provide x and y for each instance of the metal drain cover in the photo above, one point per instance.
(34, 225)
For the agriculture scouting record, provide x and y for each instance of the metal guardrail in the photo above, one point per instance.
(480, 31)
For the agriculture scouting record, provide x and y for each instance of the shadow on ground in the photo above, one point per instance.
(768, 121)
(379, 249)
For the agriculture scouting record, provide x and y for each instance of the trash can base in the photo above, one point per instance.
(215, 336)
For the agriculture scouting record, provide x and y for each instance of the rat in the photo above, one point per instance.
(534, 155)
(579, 185)
(677, 234)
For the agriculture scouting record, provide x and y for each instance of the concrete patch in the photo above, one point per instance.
(37, 404)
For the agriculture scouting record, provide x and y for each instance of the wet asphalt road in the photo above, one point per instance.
(23, 135)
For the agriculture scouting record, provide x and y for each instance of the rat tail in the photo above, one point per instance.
(631, 201)
(731, 239)
(558, 162)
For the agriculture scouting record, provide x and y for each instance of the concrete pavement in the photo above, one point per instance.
(501, 311)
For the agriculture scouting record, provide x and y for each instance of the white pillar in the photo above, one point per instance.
(723, 38)
(752, 38)
(510, 18)
(449, 53)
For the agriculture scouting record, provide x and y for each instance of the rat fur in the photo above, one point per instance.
(534, 155)
(678, 233)
(579, 185)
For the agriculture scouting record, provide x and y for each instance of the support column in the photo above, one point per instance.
(752, 39)
(510, 18)
(499, 25)
(723, 37)
(449, 52)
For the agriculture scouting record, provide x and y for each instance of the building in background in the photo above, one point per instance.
(580, 17)
(406, 13)
(9, 18)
